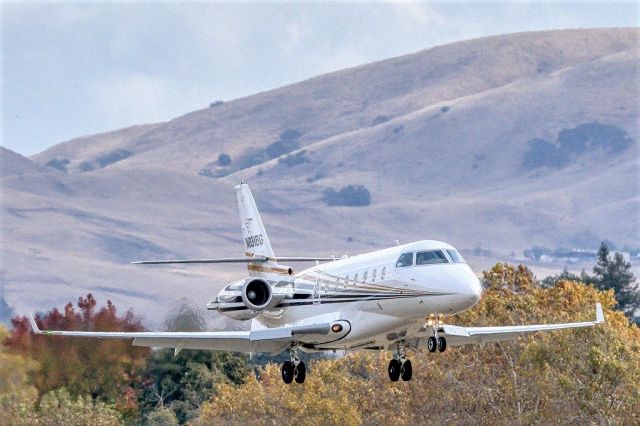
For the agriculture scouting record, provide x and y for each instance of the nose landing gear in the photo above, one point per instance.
(400, 366)
(294, 369)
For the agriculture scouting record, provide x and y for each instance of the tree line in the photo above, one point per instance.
(579, 376)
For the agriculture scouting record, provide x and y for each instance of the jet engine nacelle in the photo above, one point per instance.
(254, 294)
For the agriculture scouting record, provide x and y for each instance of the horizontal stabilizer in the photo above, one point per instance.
(305, 259)
(219, 260)
(253, 259)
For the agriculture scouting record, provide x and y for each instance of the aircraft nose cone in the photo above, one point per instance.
(473, 289)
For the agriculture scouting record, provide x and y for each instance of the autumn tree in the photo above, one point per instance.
(101, 368)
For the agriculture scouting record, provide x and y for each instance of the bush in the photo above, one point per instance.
(183, 382)
(288, 142)
(379, 120)
(544, 153)
(224, 159)
(60, 164)
(86, 166)
(351, 195)
(113, 157)
(290, 134)
(593, 135)
(574, 142)
(281, 147)
(216, 103)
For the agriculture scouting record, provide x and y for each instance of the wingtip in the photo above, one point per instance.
(599, 314)
(34, 325)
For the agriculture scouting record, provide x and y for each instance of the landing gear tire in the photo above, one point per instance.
(394, 370)
(432, 344)
(442, 344)
(300, 372)
(406, 371)
(288, 372)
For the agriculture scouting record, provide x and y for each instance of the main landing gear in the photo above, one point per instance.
(400, 366)
(294, 369)
(435, 342)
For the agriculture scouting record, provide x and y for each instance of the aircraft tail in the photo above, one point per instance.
(259, 255)
(255, 237)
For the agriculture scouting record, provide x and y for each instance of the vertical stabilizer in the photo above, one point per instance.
(255, 237)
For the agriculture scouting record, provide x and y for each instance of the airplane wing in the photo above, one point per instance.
(457, 335)
(271, 340)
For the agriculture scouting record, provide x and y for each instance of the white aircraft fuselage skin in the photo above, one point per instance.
(376, 298)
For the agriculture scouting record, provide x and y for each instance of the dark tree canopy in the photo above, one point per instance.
(183, 382)
(224, 159)
(350, 195)
(613, 272)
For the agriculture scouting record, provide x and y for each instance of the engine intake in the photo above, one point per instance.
(257, 294)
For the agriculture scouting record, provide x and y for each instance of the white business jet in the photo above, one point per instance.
(393, 299)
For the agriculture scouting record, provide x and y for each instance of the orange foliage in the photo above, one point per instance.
(102, 368)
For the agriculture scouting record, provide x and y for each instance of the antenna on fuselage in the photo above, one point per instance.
(397, 242)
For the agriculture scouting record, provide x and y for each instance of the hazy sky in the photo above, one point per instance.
(72, 69)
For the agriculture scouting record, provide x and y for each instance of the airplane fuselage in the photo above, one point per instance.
(380, 295)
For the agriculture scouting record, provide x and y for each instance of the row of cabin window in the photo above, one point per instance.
(429, 257)
(383, 272)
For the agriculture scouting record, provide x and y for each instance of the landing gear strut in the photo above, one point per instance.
(435, 342)
(294, 369)
(400, 366)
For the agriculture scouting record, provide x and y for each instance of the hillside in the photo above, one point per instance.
(496, 145)
(12, 163)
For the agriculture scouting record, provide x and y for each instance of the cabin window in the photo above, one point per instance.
(373, 276)
(355, 279)
(455, 256)
(346, 281)
(406, 259)
(383, 273)
(430, 257)
(364, 277)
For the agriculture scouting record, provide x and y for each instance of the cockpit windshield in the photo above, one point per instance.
(430, 257)
(406, 259)
(455, 256)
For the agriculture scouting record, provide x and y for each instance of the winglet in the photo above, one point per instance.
(34, 325)
(599, 314)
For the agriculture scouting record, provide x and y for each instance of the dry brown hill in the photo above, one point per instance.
(495, 144)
